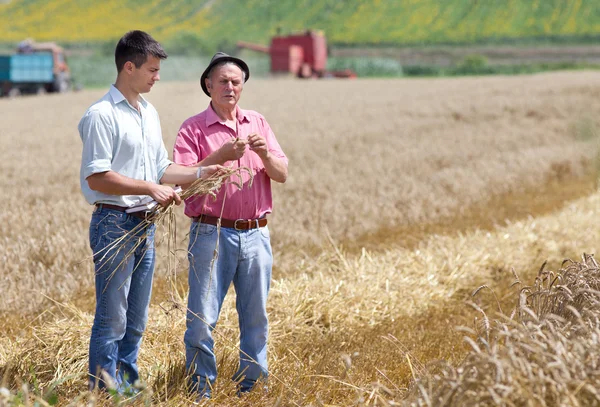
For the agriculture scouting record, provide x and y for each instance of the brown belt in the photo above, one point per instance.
(140, 214)
(239, 224)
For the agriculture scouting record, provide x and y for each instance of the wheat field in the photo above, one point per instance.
(404, 196)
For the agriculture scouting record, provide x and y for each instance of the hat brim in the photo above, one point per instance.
(243, 66)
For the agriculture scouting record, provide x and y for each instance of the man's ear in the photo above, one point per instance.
(128, 67)
(208, 84)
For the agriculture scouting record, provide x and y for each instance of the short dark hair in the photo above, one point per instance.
(135, 46)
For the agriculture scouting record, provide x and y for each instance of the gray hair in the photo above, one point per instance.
(220, 64)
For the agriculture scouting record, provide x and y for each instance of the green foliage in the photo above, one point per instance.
(106, 48)
(98, 71)
(367, 67)
(137, 394)
(473, 64)
(463, 69)
(187, 43)
(92, 71)
(423, 70)
(210, 25)
(25, 395)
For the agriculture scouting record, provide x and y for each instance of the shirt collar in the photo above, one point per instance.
(212, 117)
(118, 97)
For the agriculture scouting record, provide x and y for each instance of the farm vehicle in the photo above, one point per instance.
(303, 55)
(34, 68)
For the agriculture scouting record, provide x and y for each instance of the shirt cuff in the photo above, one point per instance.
(96, 166)
(162, 168)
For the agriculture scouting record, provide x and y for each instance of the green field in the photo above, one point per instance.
(210, 24)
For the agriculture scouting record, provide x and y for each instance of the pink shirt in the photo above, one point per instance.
(205, 133)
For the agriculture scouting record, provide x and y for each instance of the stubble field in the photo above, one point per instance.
(403, 197)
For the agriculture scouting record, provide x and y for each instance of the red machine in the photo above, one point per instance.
(304, 55)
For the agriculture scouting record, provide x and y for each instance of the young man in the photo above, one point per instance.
(123, 160)
(225, 134)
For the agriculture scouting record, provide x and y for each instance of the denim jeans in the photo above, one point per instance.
(244, 258)
(123, 288)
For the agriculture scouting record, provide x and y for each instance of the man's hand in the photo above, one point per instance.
(164, 195)
(233, 149)
(211, 170)
(258, 144)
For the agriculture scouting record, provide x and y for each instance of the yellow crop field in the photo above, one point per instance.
(358, 22)
(404, 196)
(66, 20)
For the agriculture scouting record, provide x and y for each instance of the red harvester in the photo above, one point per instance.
(303, 55)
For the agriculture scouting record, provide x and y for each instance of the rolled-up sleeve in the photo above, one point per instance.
(185, 151)
(162, 161)
(96, 134)
(161, 156)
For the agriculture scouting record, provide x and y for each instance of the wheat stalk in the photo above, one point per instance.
(165, 215)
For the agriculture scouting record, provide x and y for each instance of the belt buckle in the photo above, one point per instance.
(235, 226)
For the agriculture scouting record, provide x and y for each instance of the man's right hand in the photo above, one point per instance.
(233, 149)
(164, 194)
(211, 170)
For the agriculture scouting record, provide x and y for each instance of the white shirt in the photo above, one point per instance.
(117, 137)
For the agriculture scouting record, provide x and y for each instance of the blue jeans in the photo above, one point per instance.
(244, 258)
(123, 288)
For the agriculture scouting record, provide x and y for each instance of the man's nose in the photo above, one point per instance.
(157, 77)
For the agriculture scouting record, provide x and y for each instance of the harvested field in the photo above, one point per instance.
(403, 197)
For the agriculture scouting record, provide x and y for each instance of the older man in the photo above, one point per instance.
(228, 135)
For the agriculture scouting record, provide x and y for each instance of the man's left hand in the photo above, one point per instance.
(258, 144)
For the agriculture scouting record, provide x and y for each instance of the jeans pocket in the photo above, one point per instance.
(203, 229)
(111, 230)
(264, 231)
(93, 234)
(96, 228)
